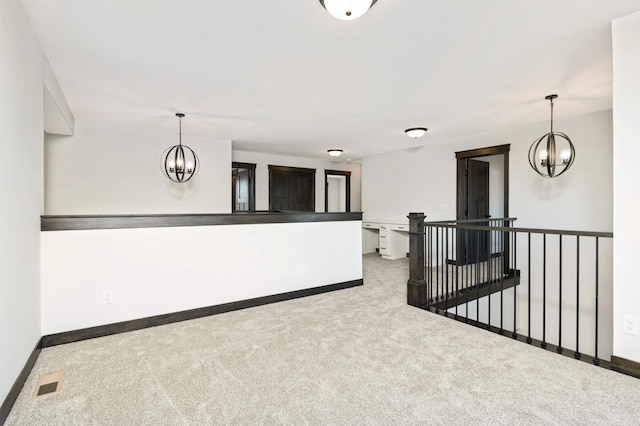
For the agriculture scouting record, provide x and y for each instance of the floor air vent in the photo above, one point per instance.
(49, 384)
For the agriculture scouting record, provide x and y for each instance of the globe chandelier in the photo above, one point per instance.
(179, 162)
(553, 153)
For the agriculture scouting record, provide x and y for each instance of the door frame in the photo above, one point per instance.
(461, 182)
(461, 189)
(347, 175)
(252, 185)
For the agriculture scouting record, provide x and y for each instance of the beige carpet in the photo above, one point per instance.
(353, 357)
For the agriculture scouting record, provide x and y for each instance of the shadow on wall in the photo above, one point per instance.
(180, 191)
(548, 188)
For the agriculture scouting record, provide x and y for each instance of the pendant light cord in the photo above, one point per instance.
(551, 100)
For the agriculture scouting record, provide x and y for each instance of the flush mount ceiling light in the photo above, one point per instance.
(347, 10)
(416, 132)
(335, 152)
(549, 148)
(179, 162)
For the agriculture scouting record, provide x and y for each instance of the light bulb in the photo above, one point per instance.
(565, 155)
(543, 157)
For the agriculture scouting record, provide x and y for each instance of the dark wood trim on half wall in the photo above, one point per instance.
(625, 366)
(66, 223)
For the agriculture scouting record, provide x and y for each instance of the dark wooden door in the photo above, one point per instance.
(473, 203)
(304, 193)
(279, 190)
(477, 249)
(292, 188)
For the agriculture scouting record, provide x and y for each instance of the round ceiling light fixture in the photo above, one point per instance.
(347, 10)
(335, 152)
(416, 132)
(552, 153)
(179, 162)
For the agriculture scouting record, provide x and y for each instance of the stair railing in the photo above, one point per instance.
(542, 286)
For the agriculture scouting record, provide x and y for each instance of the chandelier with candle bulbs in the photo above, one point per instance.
(552, 153)
(179, 162)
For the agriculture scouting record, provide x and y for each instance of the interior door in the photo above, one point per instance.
(473, 203)
(280, 190)
(304, 193)
(292, 188)
(477, 248)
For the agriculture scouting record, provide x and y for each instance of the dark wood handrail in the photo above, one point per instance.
(488, 219)
(527, 230)
(85, 222)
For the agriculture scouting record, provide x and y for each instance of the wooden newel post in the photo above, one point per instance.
(416, 286)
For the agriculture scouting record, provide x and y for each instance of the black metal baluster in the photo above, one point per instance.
(596, 361)
(515, 286)
(440, 261)
(443, 294)
(529, 287)
(489, 284)
(455, 265)
(559, 348)
(466, 269)
(544, 291)
(428, 262)
(577, 353)
(444, 265)
(477, 266)
(446, 261)
(437, 266)
(502, 267)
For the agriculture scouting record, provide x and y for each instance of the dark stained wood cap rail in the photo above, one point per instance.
(84, 222)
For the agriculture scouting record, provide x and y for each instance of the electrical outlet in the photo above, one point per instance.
(107, 296)
(630, 325)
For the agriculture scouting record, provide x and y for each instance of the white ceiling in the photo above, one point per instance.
(284, 76)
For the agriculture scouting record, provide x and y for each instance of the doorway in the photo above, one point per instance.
(482, 192)
(337, 194)
(243, 188)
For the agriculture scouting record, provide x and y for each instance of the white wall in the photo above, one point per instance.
(263, 161)
(211, 265)
(626, 119)
(58, 117)
(21, 122)
(107, 169)
(423, 179)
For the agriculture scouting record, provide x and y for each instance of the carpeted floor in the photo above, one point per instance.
(352, 357)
